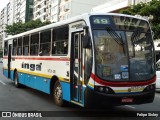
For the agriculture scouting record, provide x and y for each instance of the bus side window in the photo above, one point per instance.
(19, 48)
(5, 48)
(60, 41)
(45, 43)
(34, 44)
(26, 45)
(60, 47)
(14, 49)
(65, 50)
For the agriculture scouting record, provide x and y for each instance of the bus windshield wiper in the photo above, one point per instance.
(115, 36)
(135, 37)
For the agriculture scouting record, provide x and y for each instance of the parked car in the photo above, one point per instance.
(158, 75)
(1, 60)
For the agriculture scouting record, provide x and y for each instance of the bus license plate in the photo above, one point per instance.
(127, 100)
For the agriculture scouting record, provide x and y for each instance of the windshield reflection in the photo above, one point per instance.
(124, 55)
(141, 54)
(110, 55)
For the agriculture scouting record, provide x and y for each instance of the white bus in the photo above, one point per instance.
(91, 59)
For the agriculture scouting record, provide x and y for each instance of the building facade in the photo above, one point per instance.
(15, 11)
(116, 5)
(46, 10)
(3, 22)
(23, 10)
(71, 8)
(55, 10)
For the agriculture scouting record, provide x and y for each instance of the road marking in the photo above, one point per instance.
(2, 82)
(130, 106)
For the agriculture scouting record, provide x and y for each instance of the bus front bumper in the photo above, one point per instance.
(119, 99)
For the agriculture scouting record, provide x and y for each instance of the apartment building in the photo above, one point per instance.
(70, 8)
(10, 11)
(53, 10)
(3, 22)
(116, 5)
(56, 10)
(39, 10)
(15, 11)
(23, 10)
(46, 10)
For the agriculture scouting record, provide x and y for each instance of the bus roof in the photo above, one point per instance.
(70, 20)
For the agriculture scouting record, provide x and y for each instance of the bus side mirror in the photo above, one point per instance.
(86, 41)
(152, 34)
(86, 38)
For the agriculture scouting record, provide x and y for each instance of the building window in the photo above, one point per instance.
(61, 9)
(44, 17)
(66, 7)
(45, 2)
(44, 9)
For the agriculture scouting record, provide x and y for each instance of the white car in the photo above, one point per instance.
(158, 81)
(158, 75)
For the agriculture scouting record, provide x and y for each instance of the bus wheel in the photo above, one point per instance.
(57, 94)
(16, 81)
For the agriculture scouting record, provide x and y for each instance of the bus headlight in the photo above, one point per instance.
(101, 89)
(107, 90)
(150, 87)
(104, 89)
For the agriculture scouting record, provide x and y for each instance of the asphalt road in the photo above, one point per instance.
(26, 99)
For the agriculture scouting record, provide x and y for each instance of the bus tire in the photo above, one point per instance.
(16, 81)
(57, 94)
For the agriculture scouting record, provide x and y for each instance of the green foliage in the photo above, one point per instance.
(147, 9)
(14, 29)
(20, 27)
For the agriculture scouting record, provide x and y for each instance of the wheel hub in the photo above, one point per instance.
(58, 92)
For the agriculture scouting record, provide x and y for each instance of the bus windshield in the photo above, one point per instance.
(123, 48)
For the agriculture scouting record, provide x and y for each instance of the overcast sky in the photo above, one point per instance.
(3, 3)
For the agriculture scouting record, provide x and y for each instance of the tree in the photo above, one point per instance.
(20, 27)
(151, 8)
(14, 29)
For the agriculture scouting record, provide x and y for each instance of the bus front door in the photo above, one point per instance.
(76, 67)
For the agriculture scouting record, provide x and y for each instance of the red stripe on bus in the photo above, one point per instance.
(122, 84)
(82, 67)
(40, 58)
